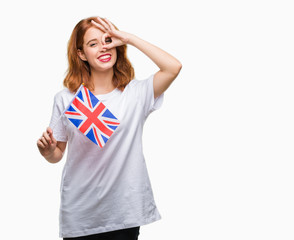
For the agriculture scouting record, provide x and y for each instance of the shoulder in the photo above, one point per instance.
(62, 97)
(64, 93)
(133, 83)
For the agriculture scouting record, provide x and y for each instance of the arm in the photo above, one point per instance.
(168, 65)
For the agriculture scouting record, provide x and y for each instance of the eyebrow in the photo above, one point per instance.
(92, 40)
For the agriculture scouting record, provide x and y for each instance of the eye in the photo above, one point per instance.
(92, 44)
(108, 40)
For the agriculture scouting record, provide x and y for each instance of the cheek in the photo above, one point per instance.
(89, 52)
(91, 56)
(114, 55)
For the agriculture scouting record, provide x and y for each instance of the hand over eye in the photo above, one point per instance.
(112, 37)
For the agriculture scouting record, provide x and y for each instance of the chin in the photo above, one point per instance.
(104, 68)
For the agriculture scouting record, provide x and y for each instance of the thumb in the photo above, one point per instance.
(50, 133)
(49, 130)
(108, 46)
(53, 139)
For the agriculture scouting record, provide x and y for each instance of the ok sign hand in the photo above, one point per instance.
(118, 37)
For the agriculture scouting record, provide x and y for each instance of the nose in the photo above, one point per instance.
(101, 49)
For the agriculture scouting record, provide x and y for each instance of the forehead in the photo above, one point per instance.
(92, 33)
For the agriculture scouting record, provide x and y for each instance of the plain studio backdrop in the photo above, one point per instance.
(220, 150)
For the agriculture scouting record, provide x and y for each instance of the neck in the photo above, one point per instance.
(102, 81)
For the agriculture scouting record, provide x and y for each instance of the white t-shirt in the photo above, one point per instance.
(106, 189)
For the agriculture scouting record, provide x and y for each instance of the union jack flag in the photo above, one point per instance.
(91, 117)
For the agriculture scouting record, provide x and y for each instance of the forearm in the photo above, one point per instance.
(162, 59)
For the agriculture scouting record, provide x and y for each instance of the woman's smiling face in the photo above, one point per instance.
(98, 58)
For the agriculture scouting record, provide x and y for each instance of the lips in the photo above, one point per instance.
(104, 57)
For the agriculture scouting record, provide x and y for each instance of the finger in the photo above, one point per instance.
(99, 26)
(108, 46)
(43, 140)
(110, 24)
(40, 144)
(46, 136)
(105, 25)
(104, 36)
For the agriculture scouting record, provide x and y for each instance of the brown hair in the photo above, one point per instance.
(79, 71)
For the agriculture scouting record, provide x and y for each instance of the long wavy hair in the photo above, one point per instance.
(79, 71)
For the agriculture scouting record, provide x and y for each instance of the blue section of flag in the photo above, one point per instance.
(76, 122)
(71, 109)
(104, 138)
(94, 100)
(112, 127)
(108, 114)
(80, 95)
(91, 136)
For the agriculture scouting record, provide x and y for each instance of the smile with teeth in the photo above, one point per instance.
(105, 58)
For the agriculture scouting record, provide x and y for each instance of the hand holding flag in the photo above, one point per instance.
(89, 115)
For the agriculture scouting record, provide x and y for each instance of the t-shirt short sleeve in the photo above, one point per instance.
(146, 96)
(56, 123)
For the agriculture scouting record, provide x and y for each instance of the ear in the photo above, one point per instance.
(82, 55)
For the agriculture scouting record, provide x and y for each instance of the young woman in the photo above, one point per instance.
(106, 192)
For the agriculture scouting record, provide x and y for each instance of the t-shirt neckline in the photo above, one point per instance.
(107, 95)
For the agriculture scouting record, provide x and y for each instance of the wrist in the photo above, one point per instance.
(130, 38)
